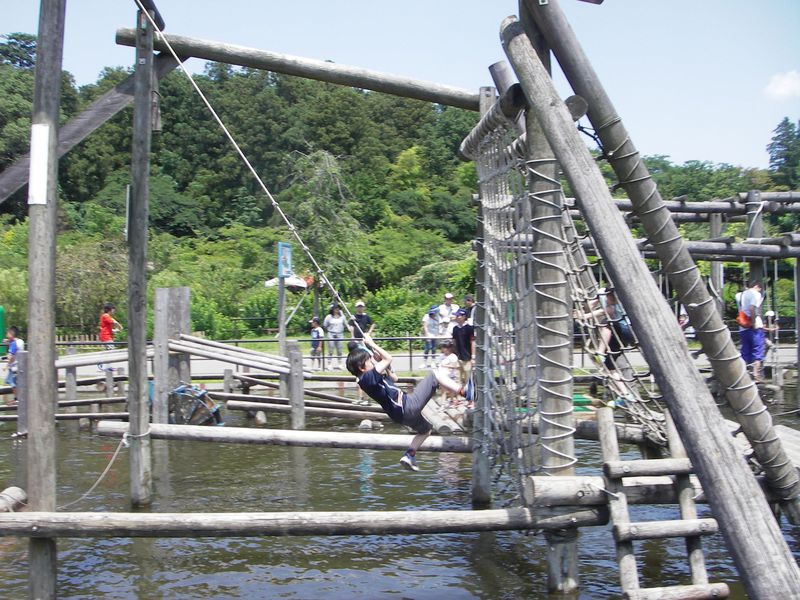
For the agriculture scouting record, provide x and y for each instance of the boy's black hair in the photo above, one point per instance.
(13, 330)
(108, 307)
(357, 359)
(447, 344)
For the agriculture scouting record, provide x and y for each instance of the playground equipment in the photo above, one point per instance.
(534, 272)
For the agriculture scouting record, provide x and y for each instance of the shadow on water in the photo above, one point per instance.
(197, 477)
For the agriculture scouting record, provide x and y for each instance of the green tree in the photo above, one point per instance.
(19, 50)
(784, 155)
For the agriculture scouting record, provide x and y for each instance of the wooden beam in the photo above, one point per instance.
(279, 437)
(81, 126)
(312, 69)
(189, 525)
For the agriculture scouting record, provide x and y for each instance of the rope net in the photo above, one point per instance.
(512, 353)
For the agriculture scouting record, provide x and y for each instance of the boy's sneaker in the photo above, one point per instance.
(469, 391)
(408, 462)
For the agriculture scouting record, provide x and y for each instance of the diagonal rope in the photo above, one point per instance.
(320, 272)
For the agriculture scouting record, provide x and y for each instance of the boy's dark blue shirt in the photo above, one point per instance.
(383, 390)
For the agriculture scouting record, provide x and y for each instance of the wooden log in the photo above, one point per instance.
(643, 468)
(76, 416)
(79, 127)
(371, 408)
(312, 410)
(69, 403)
(265, 357)
(138, 217)
(227, 381)
(403, 522)
(279, 437)
(236, 360)
(708, 591)
(93, 358)
(23, 398)
(587, 490)
(313, 69)
(171, 319)
(652, 530)
(306, 391)
(295, 387)
(42, 219)
(752, 535)
(13, 499)
(442, 424)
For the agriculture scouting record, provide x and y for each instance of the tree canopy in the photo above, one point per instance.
(372, 182)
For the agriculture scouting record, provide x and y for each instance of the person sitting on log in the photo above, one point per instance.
(372, 372)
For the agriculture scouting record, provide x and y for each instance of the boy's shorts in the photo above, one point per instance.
(11, 378)
(414, 402)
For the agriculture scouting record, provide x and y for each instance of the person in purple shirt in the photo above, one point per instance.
(371, 365)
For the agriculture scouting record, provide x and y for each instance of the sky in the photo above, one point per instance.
(701, 80)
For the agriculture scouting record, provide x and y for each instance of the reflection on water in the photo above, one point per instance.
(196, 477)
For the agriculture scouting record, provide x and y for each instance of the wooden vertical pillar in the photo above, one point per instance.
(171, 319)
(797, 325)
(755, 229)
(42, 385)
(553, 338)
(717, 281)
(295, 386)
(23, 394)
(71, 380)
(481, 469)
(282, 315)
(138, 406)
(227, 381)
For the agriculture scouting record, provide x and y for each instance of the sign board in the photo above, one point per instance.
(284, 260)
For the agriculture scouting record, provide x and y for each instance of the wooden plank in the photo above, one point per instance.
(242, 360)
(171, 319)
(280, 437)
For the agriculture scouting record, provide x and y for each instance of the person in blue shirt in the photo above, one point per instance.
(371, 365)
(15, 344)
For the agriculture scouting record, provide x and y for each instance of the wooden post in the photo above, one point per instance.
(553, 339)
(753, 537)
(797, 326)
(172, 318)
(70, 379)
(481, 469)
(141, 477)
(282, 316)
(717, 281)
(295, 386)
(227, 381)
(23, 393)
(41, 380)
(755, 229)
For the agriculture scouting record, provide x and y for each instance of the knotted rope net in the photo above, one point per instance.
(511, 351)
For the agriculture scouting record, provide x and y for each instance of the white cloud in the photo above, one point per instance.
(784, 86)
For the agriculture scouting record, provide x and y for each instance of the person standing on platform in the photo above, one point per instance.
(15, 344)
(751, 328)
(447, 316)
(430, 332)
(108, 327)
(469, 306)
(464, 342)
(364, 321)
(317, 335)
(334, 324)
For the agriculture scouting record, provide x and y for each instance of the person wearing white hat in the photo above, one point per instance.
(364, 321)
(447, 315)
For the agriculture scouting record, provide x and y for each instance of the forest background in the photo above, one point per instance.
(372, 182)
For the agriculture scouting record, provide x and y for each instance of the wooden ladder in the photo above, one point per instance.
(626, 533)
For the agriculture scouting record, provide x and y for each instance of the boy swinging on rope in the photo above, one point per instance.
(371, 367)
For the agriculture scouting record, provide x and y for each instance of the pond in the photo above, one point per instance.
(203, 477)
